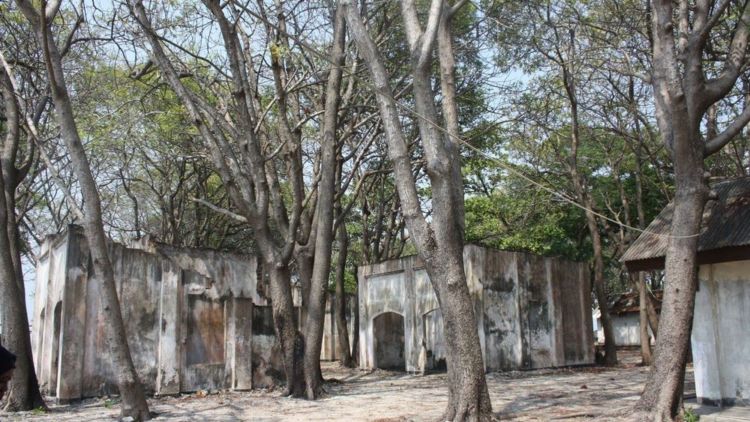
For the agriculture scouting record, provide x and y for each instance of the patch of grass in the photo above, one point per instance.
(39, 411)
(690, 416)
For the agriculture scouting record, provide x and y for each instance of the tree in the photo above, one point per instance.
(324, 234)
(256, 142)
(688, 41)
(439, 242)
(133, 398)
(24, 394)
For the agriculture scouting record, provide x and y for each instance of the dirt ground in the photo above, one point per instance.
(592, 393)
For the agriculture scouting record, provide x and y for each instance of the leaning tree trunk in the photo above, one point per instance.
(662, 396)
(133, 398)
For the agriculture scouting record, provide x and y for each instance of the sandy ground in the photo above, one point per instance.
(592, 393)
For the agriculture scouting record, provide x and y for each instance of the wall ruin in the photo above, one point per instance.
(195, 319)
(532, 311)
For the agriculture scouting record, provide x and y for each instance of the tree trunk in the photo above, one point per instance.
(24, 391)
(662, 396)
(340, 312)
(252, 192)
(133, 398)
(24, 394)
(326, 198)
(600, 290)
(584, 197)
(468, 397)
(290, 340)
(643, 300)
(439, 242)
(653, 317)
(305, 263)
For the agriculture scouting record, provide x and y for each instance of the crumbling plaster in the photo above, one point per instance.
(532, 312)
(720, 340)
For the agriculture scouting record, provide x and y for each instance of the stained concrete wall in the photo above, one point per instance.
(188, 316)
(627, 329)
(720, 340)
(532, 312)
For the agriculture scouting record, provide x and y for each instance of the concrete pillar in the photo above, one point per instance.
(168, 355)
(73, 320)
(240, 343)
(366, 351)
(412, 321)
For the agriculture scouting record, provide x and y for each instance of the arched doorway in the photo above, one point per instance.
(388, 333)
(434, 340)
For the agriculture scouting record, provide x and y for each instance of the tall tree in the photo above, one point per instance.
(439, 242)
(256, 141)
(24, 394)
(133, 398)
(688, 40)
(324, 236)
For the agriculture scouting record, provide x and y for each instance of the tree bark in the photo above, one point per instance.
(24, 393)
(133, 398)
(324, 233)
(646, 357)
(662, 396)
(683, 93)
(290, 339)
(439, 242)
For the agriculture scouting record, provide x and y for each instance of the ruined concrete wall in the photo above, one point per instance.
(50, 279)
(387, 287)
(532, 312)
(188, 316)
(501, 330)
(720, 340)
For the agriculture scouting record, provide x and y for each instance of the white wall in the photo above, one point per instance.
(721, 334)
(627, 328)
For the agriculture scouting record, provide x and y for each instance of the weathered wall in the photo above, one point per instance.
(188, 315)
(627, 329)
(532, 312)
(720, 340)
(535, 310)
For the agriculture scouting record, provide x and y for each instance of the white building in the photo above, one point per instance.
(720, 338)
